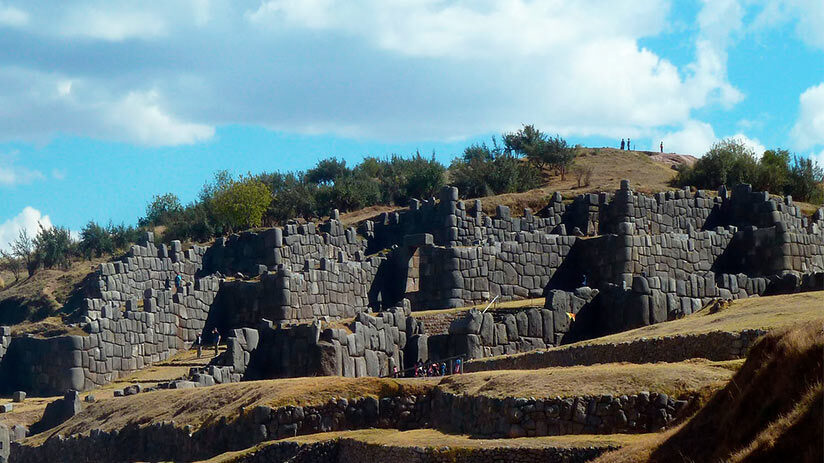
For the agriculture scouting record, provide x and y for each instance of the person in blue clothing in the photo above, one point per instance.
(622, 143)
(178, 282)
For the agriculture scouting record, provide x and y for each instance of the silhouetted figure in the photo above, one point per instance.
(629, 147)
(662, 147)
(622, 143)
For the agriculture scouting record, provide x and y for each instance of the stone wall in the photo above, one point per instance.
(715, 345)
(372, 345)
(516, 269)
(123, 334)
(323, 288)
(478, 416)
(290, 246)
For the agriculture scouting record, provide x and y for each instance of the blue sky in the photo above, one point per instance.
(105, 104)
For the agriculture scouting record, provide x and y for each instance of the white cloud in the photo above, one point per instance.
(113, 24)
(719, 22)
(28, 219)
(809, 128)
(12, 17)
(140, 117)
(751, 143)
(695, 138)
(807, 14)
(401, 70)
(12, 174)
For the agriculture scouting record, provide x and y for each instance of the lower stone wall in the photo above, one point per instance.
(716, 345)
(477, 415)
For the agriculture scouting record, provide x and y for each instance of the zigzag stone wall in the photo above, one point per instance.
(657, 258)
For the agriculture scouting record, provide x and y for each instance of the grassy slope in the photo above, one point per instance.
(770, 411)
(33, 305)
(207, 405)
(436, 439)
(674, 379)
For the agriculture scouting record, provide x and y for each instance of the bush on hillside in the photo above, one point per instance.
(485, 171)
(11, 263)
(54, 247)
(806, 181)
(23, 248)
(242, 204)
(95, 241)
(541, 149)
(730, 163)
(161, 210)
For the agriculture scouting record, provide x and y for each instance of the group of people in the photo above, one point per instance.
(215, 338)
(628, 145)
(431, 369)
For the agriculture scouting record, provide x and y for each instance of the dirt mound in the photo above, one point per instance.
(770, 411)
(674, 160)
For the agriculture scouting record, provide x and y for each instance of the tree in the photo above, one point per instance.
(484, 171)
(773, 171)
(24, 249)
(11, 263)
(243, 203)
(729, 162)
(95, 240)
(53, 247)
(161, 210)
(327, 171)
(540, 149)
(806, 180)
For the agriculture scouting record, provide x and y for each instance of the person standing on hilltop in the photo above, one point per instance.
(628, 145)
(622, 143)
(662, 146)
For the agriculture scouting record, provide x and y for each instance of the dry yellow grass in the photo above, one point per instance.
(769, 411)
(674, 379)
(428, 438)
(26, 413)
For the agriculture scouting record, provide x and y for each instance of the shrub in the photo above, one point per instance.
(95, 241)
(540, 149)
(806, 181)
(10, 263)
(729, 162)
(161, 210)
(24, 249)
(54, 247)
(583, 174)
(242, 204)
(485, 171)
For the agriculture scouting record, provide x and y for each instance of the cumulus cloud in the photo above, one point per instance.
(809, 128)
(140, 118)
(697, 137)
(808, 16)
(752, 143)
(28, 219)
(172, 71)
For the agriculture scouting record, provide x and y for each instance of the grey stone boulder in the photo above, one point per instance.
(18, 396)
